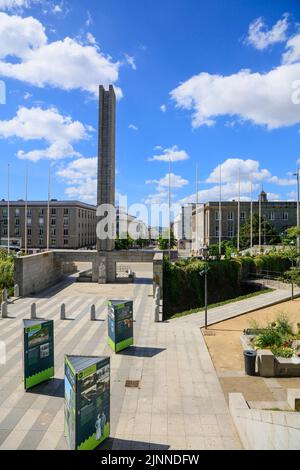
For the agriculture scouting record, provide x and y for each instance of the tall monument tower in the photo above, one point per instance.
(106, 156)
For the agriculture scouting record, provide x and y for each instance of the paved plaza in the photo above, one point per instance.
(179, 403)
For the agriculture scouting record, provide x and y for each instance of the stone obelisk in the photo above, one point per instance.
(106, 156)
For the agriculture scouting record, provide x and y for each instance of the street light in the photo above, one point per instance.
(298, 215)
(205, 254)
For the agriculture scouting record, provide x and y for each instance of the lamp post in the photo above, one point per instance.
(205, 254)
(298, 214)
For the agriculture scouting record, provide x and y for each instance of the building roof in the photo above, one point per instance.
(53, 203)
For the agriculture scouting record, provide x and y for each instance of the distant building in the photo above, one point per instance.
(183, 226)
(72, 224)
(206, 221)
(127, 223)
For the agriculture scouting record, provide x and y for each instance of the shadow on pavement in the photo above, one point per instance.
(52, 388)
(123, 444)
(141, 351)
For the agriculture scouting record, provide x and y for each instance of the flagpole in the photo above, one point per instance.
(220, 213)
(8, 208)
(197, 207)
(251, 217)
(239, 208)
(48, 209)
(259, 223)
(170, 209)
(26, 208)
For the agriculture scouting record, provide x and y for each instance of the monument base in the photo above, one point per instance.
(104, 268)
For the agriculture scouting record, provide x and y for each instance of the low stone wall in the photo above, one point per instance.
(34, 273)
(264, 429)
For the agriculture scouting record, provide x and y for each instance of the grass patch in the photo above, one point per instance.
(220, 304)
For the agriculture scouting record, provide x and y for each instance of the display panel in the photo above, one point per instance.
(38, 344)
(120, 324)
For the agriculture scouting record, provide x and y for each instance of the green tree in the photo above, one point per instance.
(124, 243)
(291, 236)
(269, 235)
(163, 241)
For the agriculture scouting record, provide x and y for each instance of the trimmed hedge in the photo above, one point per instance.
(6, 272)
(183, 284)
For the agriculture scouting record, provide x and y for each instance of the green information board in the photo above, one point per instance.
(87, 401)
(120, 324)
(38, 346)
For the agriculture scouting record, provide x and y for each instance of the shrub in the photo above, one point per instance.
(282, 351)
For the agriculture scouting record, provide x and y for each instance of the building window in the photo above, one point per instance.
(66, 241)
(17, 212)
(217, 231)
(272, 215)
(243, 215)
(285, 216)
(17, 221)
(66, 221)
(230, 231)
(53, 211)
(66, 211)
(4, 221)
(5, 212)
(29, 241)
(41, 212)
(66, 232)
(4, 231)
(53, 241)
(41, 221)
(41, 241)
(230, 215)
(53, 231)
(29, 212)
(41, 231)
(29, 231)
(29, 221)
(17, 232)
(53, 221)
(217, 215)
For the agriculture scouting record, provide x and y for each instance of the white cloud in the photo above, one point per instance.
(163, 108)
(91, 39)
(81, 180)
(262, 98)
(57, 9)
(27, 95)
(172, 154)
(89, 20)
(260, 37)
(249, 170)
(133, 127)
(130, 61)
(66, 64)
(292, 53)
(176, 181)
(16, 4)
(229, 192)
(46, 125)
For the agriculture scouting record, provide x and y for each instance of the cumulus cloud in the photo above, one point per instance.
(163, 108)
(80, 177)
(292, 53)
(48, 125)
(262, 98)
(172, 154)
(260, 37)
(176, 181)
(65, 64)
(161, 191)
(249, 170)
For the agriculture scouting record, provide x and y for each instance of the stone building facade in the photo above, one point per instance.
(72, 224)
(206, 221)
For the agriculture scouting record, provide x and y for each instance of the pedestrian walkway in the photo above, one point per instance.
(179, 403)
(240, 307)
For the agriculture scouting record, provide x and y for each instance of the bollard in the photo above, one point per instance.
(63, 312)
(33, 311)
(16, 290)
(4, 310)
(156, 312)
(4, 295)
(93, 313)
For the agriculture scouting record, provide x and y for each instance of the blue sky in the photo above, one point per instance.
(198, 82)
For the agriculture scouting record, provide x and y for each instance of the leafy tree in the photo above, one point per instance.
(141, 242)
(291, 237)
(163, 241)
(269, 235)
(124, 243)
